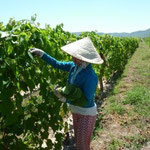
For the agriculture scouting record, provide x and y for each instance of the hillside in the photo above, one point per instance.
(140, 34)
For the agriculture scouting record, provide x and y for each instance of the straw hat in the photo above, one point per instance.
(84, 50)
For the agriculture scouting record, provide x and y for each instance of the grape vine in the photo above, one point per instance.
(26, 116)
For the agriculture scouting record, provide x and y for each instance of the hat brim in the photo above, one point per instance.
(95, 61)
(84, 50)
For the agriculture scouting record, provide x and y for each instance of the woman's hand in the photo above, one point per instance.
(57, 93)
(36, 52)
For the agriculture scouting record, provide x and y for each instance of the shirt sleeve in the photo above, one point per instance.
(74, 95)
(65, 66)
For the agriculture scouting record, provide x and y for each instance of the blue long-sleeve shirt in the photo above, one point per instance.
(86, 79)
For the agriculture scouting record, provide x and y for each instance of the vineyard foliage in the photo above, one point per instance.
(25, 121)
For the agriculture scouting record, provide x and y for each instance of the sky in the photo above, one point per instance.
(81, 15)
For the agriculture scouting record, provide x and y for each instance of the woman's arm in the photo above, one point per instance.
(57, 64)
(66, 66)
(74, 95)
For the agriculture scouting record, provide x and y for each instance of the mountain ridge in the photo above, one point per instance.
(140, 33)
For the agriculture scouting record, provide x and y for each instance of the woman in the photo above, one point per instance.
(83, 80)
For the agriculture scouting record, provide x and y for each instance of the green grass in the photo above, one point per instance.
(116, 108)
(135, 142)
(139, 95)
(115, 144)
